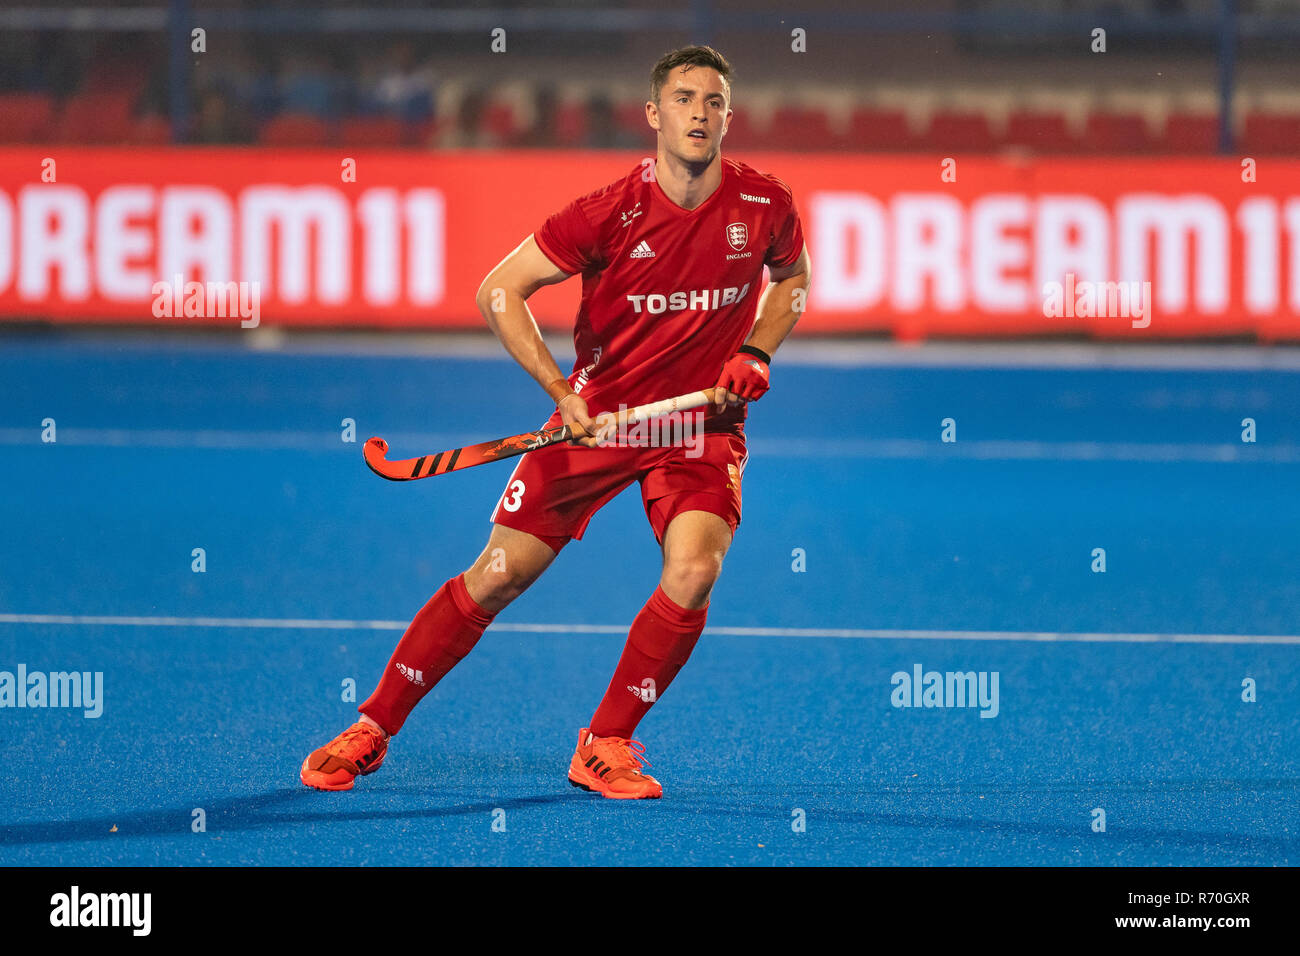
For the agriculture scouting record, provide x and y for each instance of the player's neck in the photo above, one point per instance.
(688, 184)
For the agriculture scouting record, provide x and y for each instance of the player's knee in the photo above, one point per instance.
(511, 584)
(493, 588)
(692, 576)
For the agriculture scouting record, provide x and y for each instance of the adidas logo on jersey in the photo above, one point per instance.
(643, 251)
(411, 674)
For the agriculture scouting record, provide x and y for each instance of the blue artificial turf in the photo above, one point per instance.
(756, 728)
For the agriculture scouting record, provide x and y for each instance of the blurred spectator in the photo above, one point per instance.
(306, 86)
(401, 87)
(214, 121)
(393, 79)
(541, 135)
(154, 98)
(23, 66)
(604, 130)
(467, 130)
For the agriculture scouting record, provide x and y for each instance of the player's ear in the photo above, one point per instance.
(652, 114)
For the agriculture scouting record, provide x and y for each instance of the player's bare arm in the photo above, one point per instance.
(503, 301)
(783, 301)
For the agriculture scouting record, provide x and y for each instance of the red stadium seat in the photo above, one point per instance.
(959, 132)
(120, 72)
(629, 116)
(1271, 133)
(1040, 132)
(28, 117)
(376, 131)
(743, 133)
(424, 133)
(151, 130)
(570, 124)
(801, 129)
(500, 123)
(102, 117)
(873, 129)
(1116, 133)
(1190, 133)
(291, 129)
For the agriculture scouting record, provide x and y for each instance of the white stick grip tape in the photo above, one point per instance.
(680, 403)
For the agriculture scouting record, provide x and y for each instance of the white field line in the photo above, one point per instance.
(1022, 450)
(851, 353)
(835, 351)
(842, 351)
(412, 444)
(327, 624)
(287, 440)
(1043, 355)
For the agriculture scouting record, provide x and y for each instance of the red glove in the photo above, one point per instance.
(746, 373)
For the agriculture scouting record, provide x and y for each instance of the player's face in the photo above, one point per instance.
(692, 113)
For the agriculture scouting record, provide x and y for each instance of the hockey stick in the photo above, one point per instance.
(457, 459)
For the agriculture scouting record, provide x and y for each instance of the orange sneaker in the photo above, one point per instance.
(358, 750)
(612, 766)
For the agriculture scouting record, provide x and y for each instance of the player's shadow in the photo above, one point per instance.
(266, 811)
(1096, 788)
(851, 819)
(1124, 834)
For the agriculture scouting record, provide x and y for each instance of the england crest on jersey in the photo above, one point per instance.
(737, 235)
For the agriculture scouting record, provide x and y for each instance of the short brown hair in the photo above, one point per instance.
(688, 56)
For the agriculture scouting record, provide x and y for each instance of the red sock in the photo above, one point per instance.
(662, 638)
(442, 633)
